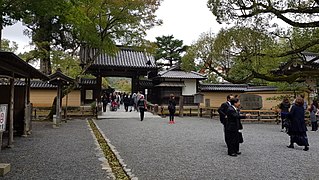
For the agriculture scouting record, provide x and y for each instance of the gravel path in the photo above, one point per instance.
(194, 148)
(69, 152)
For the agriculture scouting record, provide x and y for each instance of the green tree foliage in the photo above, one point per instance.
(286, 43)
(231, 54)
(169, 49)
(67, 25)
(100, 24)
(10, 12)
(199, 55)
(120, 84)
(8, 45)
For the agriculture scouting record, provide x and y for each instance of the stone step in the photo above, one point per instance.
(4, 168)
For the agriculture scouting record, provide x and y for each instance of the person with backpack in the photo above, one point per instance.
(171, 108)
(141, 104)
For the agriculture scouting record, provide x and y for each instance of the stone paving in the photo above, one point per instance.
(69, 152)
(194, 148)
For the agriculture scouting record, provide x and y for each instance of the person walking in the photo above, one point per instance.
(105, 101)
(232, 127)
(284, 110)
(313, 115)
(134, 97)
(141, 104)
(126, 101)
(297, 129)
(131, 103)
(222, 110)
(171, 108)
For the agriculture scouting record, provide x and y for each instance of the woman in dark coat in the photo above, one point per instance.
(284, 110)
(126, 101)
(297, 129)
(171, 108)
(232, 127)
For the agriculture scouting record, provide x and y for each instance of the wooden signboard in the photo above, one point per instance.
(3, 116)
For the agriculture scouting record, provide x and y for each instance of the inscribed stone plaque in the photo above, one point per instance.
(250, 101)
(198, 98)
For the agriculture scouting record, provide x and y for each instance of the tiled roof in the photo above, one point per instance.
(235, 87)
(180, 75)
(223, 87)
(125, 57)
(33, 84)
(37, 84)
(145, 83)
(261, 88)
(42, 85)
(310, 62)
(59, 77)
(85, 81)
(171, 84)
(11, 63)
(310, 56)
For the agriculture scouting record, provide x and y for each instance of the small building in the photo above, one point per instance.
(17, 99)
(178, 82)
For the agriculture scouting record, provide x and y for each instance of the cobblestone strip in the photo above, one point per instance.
(105, 164)
(111, 154)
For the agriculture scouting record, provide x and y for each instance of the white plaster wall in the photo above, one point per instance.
(190, 87)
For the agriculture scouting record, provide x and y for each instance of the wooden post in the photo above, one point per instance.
(10, 140)
(26, 118)
(56, 119)
(0, 140)
(181, 106)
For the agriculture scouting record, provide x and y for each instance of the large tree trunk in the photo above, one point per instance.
(42, 39)
(1, 27)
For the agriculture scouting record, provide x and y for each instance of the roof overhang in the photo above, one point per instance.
(11, 64)
(171, 84)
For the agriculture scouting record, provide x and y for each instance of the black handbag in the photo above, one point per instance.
(287, 123)
(240, 137)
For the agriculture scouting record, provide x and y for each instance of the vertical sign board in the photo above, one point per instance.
(3, 116)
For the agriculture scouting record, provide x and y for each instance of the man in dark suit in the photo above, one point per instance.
(222, 110)
(232, 127)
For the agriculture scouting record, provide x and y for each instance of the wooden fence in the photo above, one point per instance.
(255, 116)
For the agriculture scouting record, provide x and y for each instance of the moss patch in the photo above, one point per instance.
(114, 163)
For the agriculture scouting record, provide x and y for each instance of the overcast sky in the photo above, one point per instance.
(184, 19)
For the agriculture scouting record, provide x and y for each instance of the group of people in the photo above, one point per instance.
(293, 119)
(230, 117)
(115, 100)
(134, 102)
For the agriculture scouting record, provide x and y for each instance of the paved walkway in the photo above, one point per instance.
(69, 152)
(194, 149)
(120, 113)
